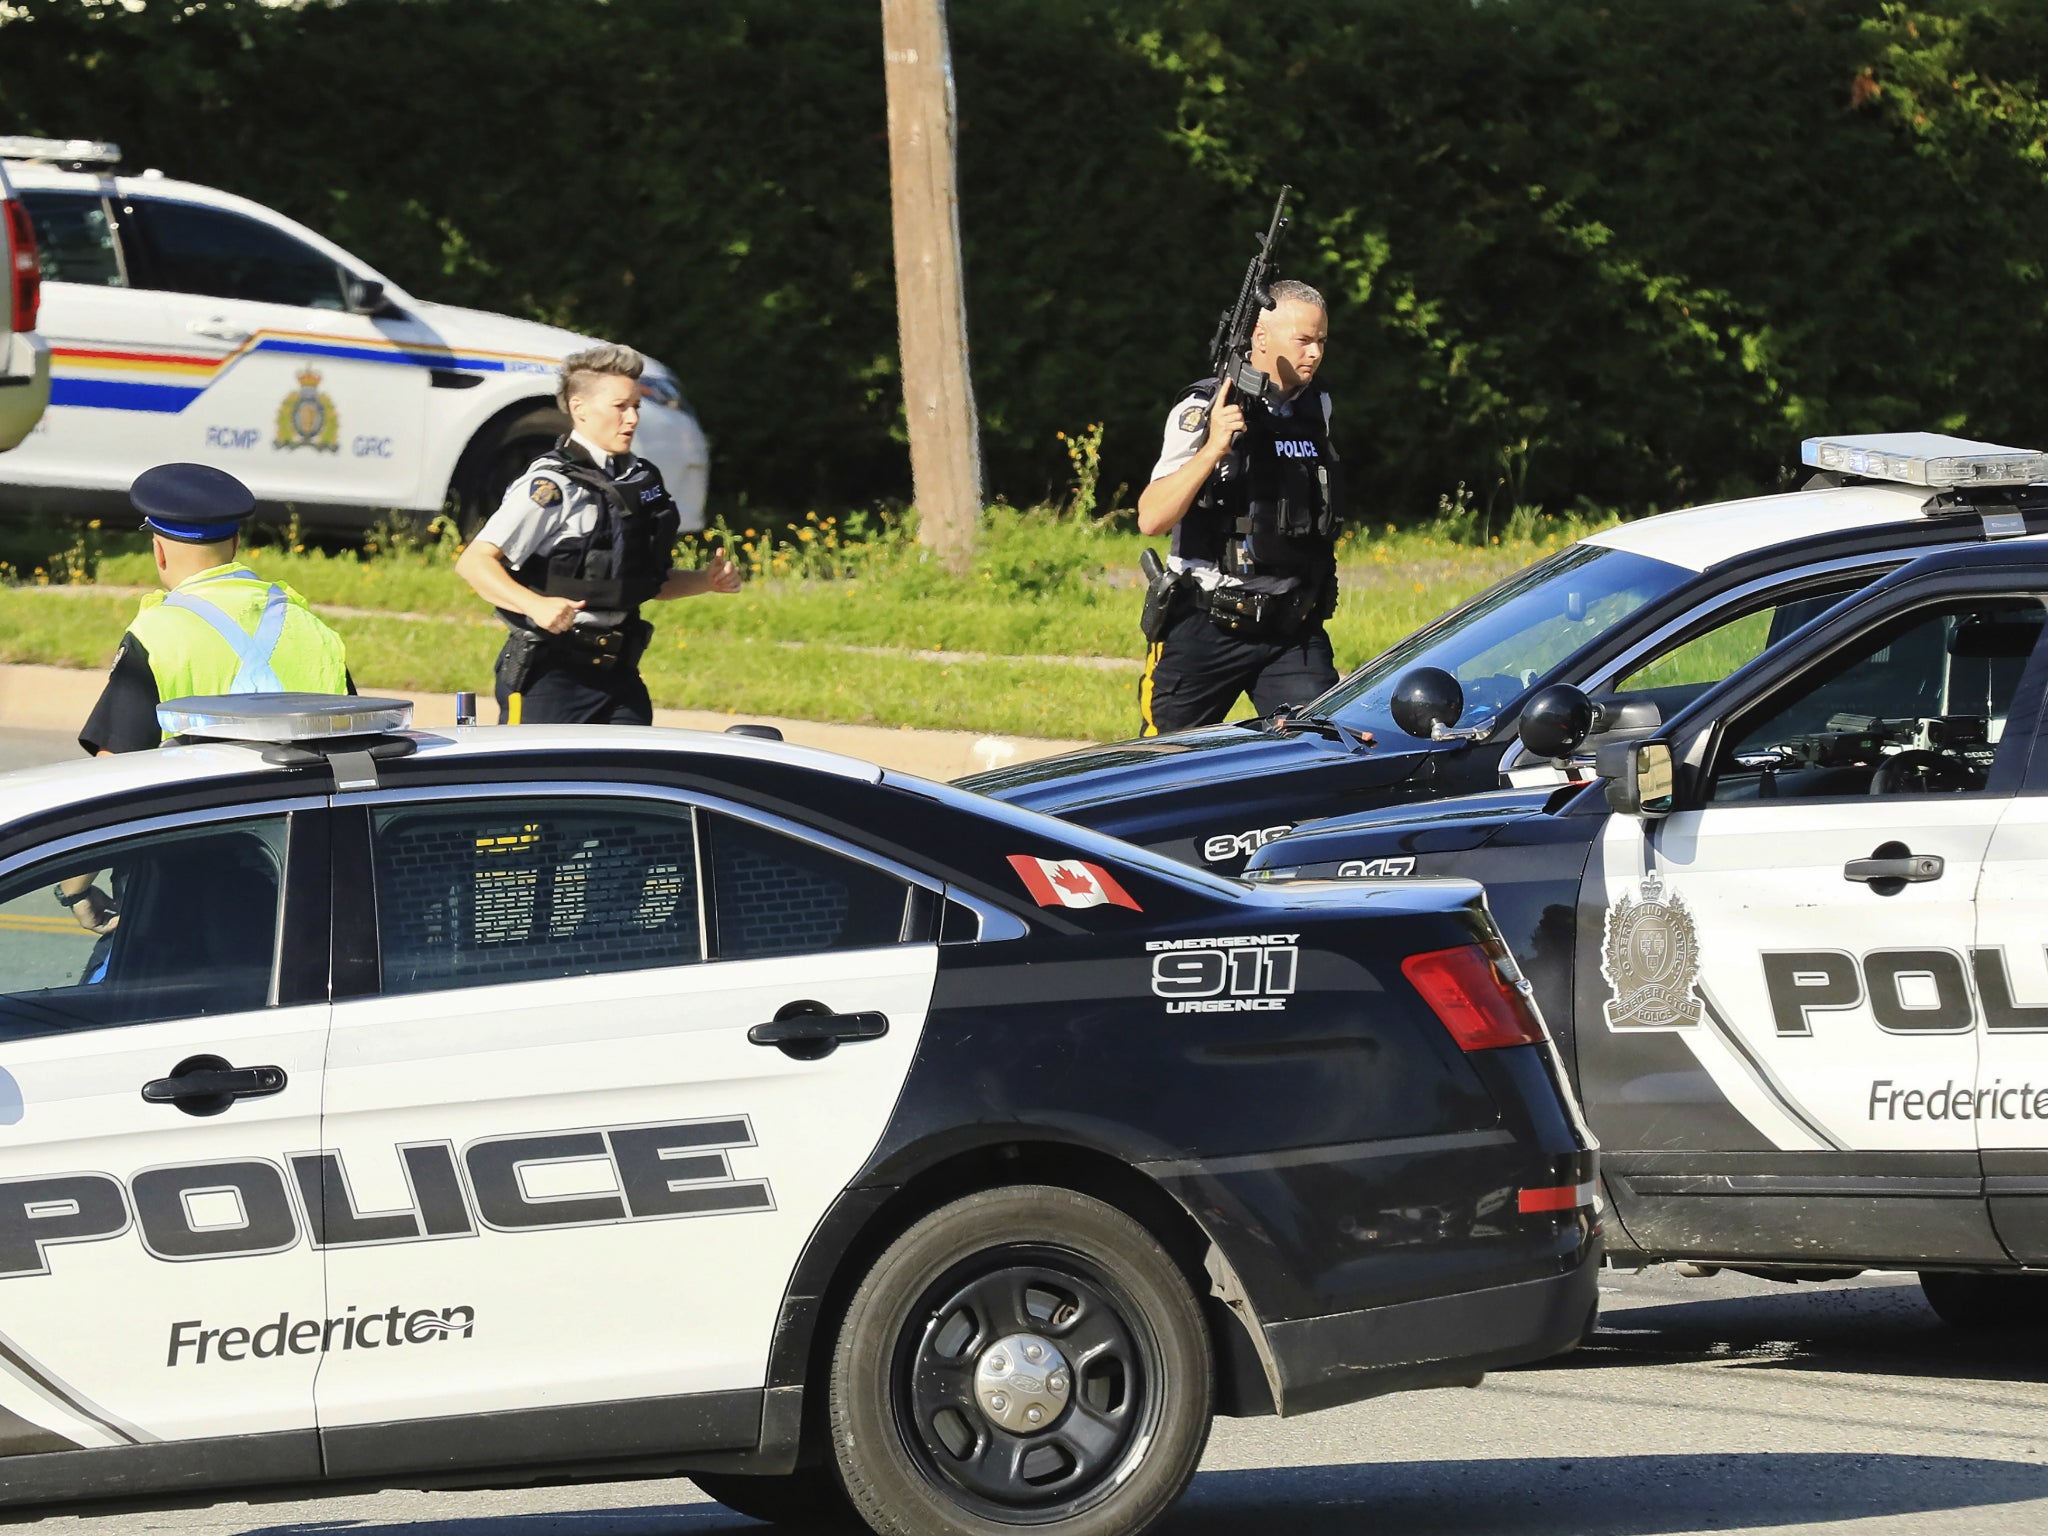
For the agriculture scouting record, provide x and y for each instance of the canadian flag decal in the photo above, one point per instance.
(1070, 883)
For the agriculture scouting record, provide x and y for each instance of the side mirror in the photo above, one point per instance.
(1639, 777)
(366, 297)
(1556, 720)
(1425, 699)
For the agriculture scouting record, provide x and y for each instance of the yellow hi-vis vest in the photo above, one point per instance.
(227, 630)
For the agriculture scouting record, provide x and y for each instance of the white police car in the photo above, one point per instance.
(24, 355)
(189, 324)
(1796, 942)
(502, 1104)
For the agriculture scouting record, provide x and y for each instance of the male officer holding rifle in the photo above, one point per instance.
(1247, 485)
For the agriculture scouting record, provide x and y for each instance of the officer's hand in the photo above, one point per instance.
(721, 575)
(553, 614)
(95, 914)
(1226, 420)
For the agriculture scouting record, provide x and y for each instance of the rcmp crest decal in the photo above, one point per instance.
(307, 419)
(1650, 955)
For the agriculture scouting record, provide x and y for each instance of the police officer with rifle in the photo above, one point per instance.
(580, 541)
(1247, 485)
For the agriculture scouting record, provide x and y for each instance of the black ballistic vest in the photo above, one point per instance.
(624, 559)
(1279, 513)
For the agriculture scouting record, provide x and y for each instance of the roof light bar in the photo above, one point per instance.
(69, 151)
(1926, 458)
(283, 717)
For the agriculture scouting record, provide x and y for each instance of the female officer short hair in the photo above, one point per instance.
(579, 368)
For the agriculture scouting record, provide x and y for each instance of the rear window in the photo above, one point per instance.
(75, 239)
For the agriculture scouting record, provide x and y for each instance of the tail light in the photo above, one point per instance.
(1479, 995)
(27, 275)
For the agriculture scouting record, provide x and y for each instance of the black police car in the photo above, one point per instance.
(1640, 617)
(1795, 942)
(489, 1105)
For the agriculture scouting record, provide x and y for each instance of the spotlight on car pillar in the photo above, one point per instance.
(1556, 721)
(1424, 699)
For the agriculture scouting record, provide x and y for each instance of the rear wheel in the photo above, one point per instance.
(499, 457)
(810, 1498)
(1027, 1357)
(1987, 1301)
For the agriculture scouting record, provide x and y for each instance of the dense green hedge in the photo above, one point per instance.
(1620, 251)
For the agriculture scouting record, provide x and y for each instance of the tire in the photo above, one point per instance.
(1985, 1302)
(807, 1499)
(938, 1339)
(496, 459)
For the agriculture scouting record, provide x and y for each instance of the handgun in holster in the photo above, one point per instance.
(519, 660)
(1160, 586)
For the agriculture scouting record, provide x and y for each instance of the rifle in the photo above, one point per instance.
(1230, 350)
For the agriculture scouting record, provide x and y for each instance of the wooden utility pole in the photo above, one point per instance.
(931, 296)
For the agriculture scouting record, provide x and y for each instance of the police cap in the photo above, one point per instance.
(191, 503)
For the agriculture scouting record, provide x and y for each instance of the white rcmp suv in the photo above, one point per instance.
(24, 356)
(185, 323)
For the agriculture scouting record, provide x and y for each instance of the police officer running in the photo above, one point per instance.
(219, 628)
(580, 541)
(1254, 533)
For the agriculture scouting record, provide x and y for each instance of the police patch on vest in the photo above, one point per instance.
(543, 492)
(1650, 956)
(1189, 420)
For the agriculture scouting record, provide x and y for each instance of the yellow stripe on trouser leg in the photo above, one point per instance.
(513, 701)
(1150, 726)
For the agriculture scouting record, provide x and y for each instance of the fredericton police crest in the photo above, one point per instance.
(307, 419)
(1650, 956)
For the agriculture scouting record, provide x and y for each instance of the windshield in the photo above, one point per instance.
(1507, 639)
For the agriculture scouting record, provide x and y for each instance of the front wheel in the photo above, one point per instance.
(1984, 1302)
(1026, 1357)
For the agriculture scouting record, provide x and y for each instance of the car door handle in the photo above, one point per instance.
(1911, 868)
(808, 1031)
(206, 1085)
(218, 329)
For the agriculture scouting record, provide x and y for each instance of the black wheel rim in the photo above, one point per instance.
(1081, 1455)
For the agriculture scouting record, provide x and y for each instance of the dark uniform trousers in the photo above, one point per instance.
(1196, 671)
(579, 695)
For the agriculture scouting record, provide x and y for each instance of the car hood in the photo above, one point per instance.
(1448, 826)
(1198, 759)
(485, 331)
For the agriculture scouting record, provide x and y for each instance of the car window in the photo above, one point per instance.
(1502, 642)
(1917, 706)
(74, 239)
(776, 895)
(1709, 657)
(189, 924)
(194, 249)
(499, 891)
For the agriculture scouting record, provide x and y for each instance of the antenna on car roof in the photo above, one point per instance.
(77, 153)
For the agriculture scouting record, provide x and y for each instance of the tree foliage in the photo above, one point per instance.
(1619, 252)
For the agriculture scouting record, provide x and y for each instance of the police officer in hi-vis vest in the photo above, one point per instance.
(581, 540)
(220, 628)
(1254, 533)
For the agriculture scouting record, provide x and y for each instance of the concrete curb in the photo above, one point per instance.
(36, 698)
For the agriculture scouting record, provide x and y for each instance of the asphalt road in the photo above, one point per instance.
(1703, 1405)
(26, 749)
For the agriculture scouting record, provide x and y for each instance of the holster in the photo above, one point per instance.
(1160, 588)
(519, 660)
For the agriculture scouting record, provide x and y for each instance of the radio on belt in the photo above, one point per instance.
(1932, 459)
